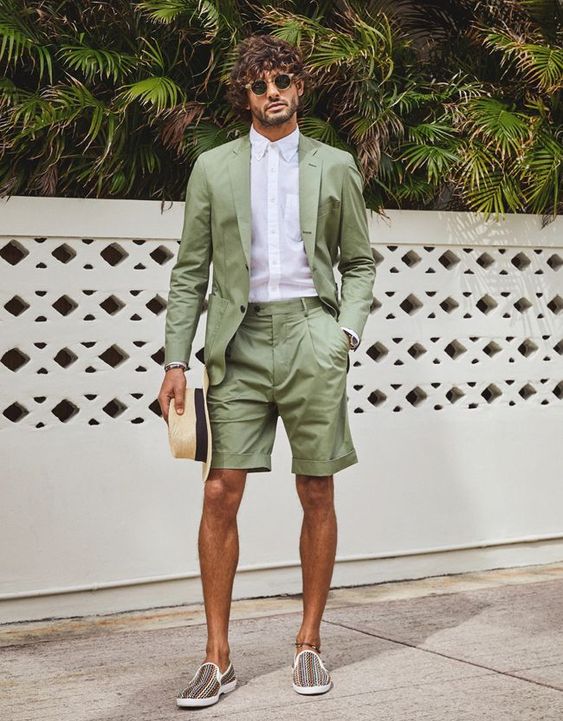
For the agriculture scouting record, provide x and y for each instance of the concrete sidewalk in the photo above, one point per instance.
(467, 647)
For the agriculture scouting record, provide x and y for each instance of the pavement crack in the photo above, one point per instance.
(445, 655)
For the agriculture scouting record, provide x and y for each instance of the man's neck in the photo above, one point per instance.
(275, 133)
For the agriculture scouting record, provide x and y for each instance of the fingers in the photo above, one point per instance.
(179, 398)
(173, 386)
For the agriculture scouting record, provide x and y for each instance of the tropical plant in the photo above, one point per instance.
(450, 104)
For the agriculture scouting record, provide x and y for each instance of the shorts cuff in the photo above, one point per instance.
(251, 462)
(323, 468)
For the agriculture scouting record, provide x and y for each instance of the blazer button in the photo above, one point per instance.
(242, 308)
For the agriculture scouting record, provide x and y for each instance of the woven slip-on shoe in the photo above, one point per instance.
(207, 685)
(310, 674)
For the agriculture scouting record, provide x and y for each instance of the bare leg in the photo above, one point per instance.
(218, 547)
(317, 547)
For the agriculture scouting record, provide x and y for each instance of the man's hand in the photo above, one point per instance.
(173, 386)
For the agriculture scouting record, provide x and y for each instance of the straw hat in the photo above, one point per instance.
(189, 433)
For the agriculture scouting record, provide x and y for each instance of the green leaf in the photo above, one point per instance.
(159, 92)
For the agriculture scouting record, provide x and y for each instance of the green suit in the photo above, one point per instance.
(217, 227)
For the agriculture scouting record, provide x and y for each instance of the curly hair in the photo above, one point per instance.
(257, 54)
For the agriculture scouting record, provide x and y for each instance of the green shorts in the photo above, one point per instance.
(290, 358)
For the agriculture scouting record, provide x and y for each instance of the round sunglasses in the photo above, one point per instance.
(281, 81)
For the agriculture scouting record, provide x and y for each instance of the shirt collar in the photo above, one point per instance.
(287, 145)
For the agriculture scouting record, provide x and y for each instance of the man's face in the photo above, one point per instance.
(275, 106)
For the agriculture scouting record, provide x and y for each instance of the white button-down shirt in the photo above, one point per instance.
(279, 267)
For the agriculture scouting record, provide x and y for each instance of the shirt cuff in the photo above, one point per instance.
(356, 339)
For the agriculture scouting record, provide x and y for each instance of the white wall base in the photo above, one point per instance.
(284, 579)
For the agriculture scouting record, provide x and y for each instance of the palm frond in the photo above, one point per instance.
(322, 130)
(159, 92)
(100, 63)
(504, 130)
(539, 64)
(437, 161)
(19, 39)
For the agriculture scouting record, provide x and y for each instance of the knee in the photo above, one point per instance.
(222, 495)
(316, 493)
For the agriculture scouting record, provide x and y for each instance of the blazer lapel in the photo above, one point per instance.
(310, 167)
(239, 171)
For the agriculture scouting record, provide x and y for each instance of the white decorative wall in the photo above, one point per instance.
(455, 399)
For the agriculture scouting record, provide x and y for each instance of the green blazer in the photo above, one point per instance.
(217, 228)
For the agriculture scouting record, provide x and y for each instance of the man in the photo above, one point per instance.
(275, 210)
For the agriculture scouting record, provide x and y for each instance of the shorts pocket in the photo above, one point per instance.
(329, 341)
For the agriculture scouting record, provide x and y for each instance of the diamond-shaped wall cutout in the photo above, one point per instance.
(65, 410)
(527, 347)
(449, 304)
(485, 260)
(13, 252)
(161, 255)
(114, 254)
(521, 261)
(112, 305)
(64, 253)
(522, 305)
(555, 305)
(491, 393)
(14, 359)
(114, 408)
(15, 412)
(558, 390)
(410, 304)
(113, 356)
(492, 348)
(377, 397)
(65, 357)
(486, 304)
(411, 258)
(455, 349)
(157, 304)
(377, 351)
(454, 394)
(416, 350)
(416, 396)
(555, 261)
(527, 391)
(64, 305)
(16, 305)
(449, 259)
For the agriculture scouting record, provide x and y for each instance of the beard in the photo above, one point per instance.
(279, 117)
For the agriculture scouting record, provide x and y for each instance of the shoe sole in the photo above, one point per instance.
(210, 700)
(306, 690)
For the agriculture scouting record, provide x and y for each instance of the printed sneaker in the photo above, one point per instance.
(310, 674)
(207, 685)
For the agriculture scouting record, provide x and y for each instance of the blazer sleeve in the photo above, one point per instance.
(189, 277)
(356, 262)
